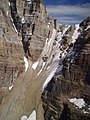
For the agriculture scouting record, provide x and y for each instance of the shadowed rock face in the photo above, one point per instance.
(73, 81)
(31, 21)
(62, 54)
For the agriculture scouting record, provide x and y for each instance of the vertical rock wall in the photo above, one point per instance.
(72, 81)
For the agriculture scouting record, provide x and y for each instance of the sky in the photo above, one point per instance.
(68, 11)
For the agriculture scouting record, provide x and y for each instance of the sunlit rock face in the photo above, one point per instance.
(44, 66)
(31, 21)
(11, 50)
(24, 27)
(24, 30)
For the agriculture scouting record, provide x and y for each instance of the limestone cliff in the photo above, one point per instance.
(24, 28)
(44, 66)
(31, 20)
(11, 50)
(72, 81)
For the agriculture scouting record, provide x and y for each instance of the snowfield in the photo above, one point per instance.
(10, 88)
(78, 102)
(26, 63)
(76, 33)
(49, 78)
(34, 66)
(31, 117)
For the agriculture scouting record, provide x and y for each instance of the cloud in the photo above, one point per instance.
(77, 11)
(69, 20)
(83, 9)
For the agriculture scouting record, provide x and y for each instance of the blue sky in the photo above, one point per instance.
(68, 11)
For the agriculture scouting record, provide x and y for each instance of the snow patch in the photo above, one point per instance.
(31, 117)
(10, 88)
(39, 72)
(11, 19)
(46, 40)
(49, 23)
(15, 28)
(41, 68)
(89, 107)
(23, 20)
(61, 34)
(52, 38)
(49, 78)
(43, 64)
(24, 117)
(48, 67)
(49, 44)
(34, 66)
(78, 102)
(76, 33)
(30, 33)
(9, 3)
(85, 112)
(48, 26)
(87, 27)
(26, 63)
(7, 13)
(29, 1)
(64, 31)
(63, 54)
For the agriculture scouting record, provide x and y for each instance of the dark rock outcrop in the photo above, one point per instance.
(71, 82)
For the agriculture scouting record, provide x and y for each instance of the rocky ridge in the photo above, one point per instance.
(72, 81)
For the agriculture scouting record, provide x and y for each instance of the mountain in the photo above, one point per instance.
(67, 95)
(44, 66)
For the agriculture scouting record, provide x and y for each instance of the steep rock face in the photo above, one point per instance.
(59, 51)
(11, 50)
(21, 21)
(72, 81)
(32, 22)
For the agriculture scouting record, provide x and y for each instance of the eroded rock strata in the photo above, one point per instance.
(70, 82)
(44, 66)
